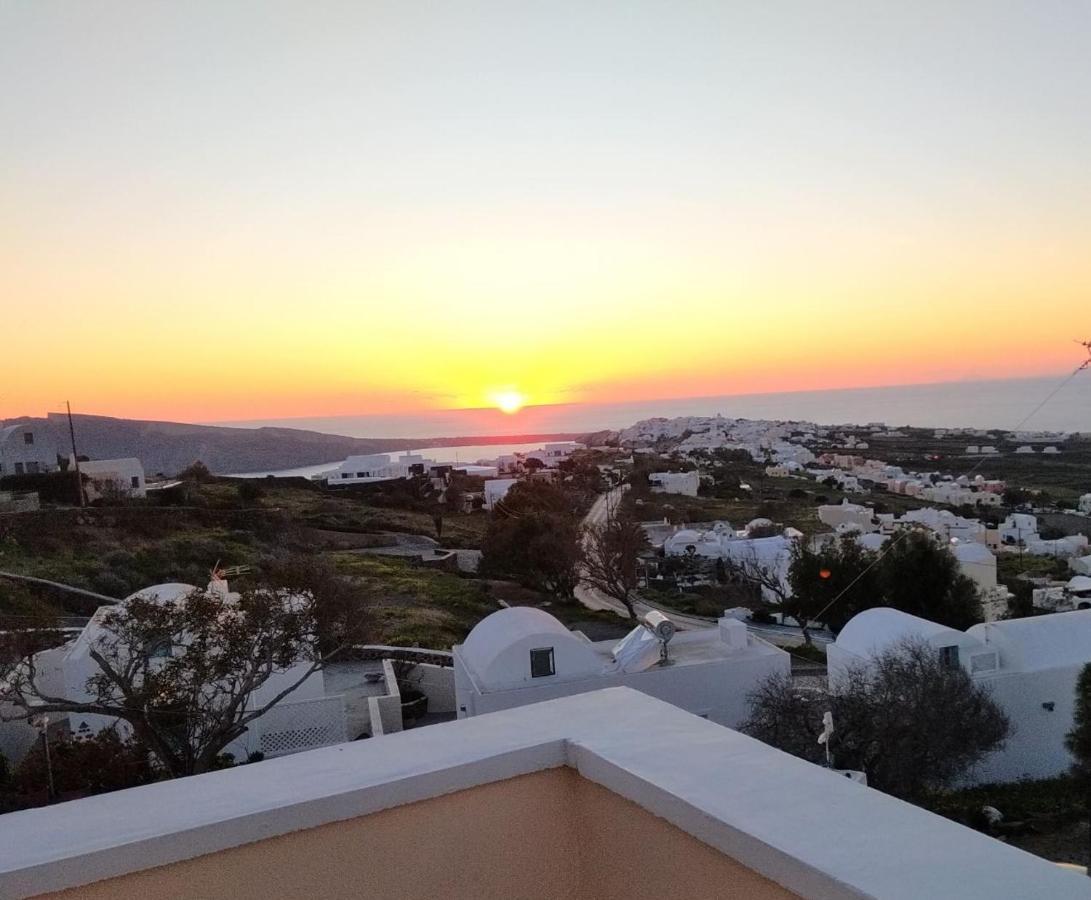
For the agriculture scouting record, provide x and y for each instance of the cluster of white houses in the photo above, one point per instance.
(32, 449)
(1029, 665)
(499, 474)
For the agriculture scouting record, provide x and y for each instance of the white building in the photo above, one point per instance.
(523, 655)
(27, 449)
(1081, 565)
(113, 478)
(977, 562)
(848, 513)
(1073, 545)
(685, 483)
(376, 467)
(1030, 666)
(555, 454)
(772, 555)
(1018, 528)
(496, 489)
(337, 703)
(529, 802)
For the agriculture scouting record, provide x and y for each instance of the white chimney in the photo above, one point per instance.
(733, 633)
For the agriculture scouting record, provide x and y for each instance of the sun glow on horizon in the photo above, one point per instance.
(509, 402)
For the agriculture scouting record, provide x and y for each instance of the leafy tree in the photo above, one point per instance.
(842, 571)
(92, 764)
(920, 576)
(534, 537)
(910, 722)
(197, 472)
(182, 674)
(250, 492)
(611, 557)
(1078, 740)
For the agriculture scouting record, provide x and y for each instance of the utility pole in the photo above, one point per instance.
(75, 456)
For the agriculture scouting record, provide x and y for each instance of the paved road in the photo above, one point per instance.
(592, 598)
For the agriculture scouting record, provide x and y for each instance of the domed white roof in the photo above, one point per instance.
(496, 649)
(687, 536)
(499, 630)
(164, 593)
(873, 630)
(972, 552)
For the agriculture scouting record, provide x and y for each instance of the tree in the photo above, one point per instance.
(183, 673)
(250, 492)
(92, 764)
(611, 557)
(920, 576)
(534, 537)
(910, 722)
(1078, 740)
(832, 584)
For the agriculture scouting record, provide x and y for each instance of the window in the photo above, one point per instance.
(32, 468)
(135, 481)
(948, 656)
(541, 663)
(18, 468)
(28, 437)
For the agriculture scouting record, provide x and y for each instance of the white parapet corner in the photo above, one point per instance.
(810, 830)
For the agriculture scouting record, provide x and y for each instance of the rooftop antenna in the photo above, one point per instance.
(827, 733)
(75, 455)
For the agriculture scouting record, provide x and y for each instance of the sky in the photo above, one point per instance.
(227, 211)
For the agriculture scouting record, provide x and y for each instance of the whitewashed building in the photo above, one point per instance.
(496, 489)
(372, 468)
(1030, 667)
(27, 449)
(524, 655)
(848, 513)
(337, 703)
(113, 478)
(685, 483)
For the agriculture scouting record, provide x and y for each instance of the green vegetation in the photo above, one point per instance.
(915, 575)
(415, 606)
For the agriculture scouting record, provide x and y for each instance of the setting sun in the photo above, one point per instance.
(509, 402)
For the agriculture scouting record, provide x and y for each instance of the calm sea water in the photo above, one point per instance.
(466, 455)
(980, 404)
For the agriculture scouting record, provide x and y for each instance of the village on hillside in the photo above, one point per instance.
(732, 568)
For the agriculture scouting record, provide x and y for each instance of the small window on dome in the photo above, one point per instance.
(541, 662)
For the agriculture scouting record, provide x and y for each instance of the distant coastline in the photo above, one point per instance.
(997, 404)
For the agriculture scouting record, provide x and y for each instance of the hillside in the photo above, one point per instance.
(169, 447)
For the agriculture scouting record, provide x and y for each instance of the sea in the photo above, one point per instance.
(1058, 403)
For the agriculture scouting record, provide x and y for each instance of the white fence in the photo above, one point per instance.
(302, 725)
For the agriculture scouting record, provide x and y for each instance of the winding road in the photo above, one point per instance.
(592, 598)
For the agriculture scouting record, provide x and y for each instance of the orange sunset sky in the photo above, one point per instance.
(253, 210)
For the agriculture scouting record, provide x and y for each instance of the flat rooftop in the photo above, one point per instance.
(653, 802)
(699, 645)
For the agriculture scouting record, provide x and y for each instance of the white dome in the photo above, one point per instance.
(164, 593)
(497, 649)
(873, 630)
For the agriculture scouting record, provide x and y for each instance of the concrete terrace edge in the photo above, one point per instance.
(802, 827)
